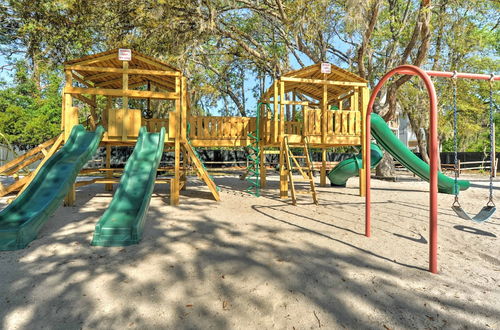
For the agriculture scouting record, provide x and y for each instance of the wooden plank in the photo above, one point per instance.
(51, 152)
(323, 82)
(154, 63)
(344, 115)
(15, 186)
(122, 93)
(97, 59)
(202, 171)
(27, 162)
(81, 79)
(30, 153)
(123, 70)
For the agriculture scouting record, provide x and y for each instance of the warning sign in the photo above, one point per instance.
(124, 54)
(326, 68)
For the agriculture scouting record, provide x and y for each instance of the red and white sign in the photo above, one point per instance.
(326, 68)
(124, 54)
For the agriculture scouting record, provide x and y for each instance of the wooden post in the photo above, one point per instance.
(363, 108)
(322, 181)
(70, 198)
(262, 164)
(105, 114)
(70, 119)
(294, 106)
(283, 172)
(282, 111)
(276, 109)
(69, 111)
(324, 108)
(183, 177)
(174, 198)
(109, 174)
(183, 125)
(125, 120)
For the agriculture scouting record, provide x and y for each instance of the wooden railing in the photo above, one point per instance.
(223, 128)
(154, 125)
(338, 122)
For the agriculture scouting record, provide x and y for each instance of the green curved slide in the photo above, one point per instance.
(21, 221)
(350, 167)
(123, 222)
(386, 138)
(390, 143)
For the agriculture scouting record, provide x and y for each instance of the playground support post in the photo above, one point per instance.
(433, 146)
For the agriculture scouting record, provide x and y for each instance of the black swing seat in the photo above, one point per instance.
(483, 215)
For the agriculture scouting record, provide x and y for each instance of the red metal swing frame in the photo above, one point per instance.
(433, 146)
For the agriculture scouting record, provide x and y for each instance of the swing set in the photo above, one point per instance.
(489, 209)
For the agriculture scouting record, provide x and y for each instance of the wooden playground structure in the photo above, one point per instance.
(311, 108)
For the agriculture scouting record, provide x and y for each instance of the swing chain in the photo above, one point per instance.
(455, 136)
(492, 143)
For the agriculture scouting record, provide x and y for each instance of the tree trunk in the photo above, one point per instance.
(386, 166)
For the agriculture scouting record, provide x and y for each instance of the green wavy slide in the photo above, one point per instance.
(21, 221)
(390, 143)
(386, 138)
(350, 167)
(123, 222)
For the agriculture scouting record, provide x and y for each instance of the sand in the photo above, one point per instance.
(260, 263)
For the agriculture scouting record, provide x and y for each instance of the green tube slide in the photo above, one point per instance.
(387, 140)
(350, 167)
(21, 221)
(123, 222)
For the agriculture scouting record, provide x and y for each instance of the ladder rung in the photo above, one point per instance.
(303, 191)
(299, 156)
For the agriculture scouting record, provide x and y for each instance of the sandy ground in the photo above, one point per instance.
(260, 263)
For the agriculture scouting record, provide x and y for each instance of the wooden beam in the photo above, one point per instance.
(151, 62)
(81, 79)
(119, 80)
(162, 83)
(100, 76)
(98, 59)
(68, 110)
(85, 100)
(125, 119)
(282, 110)
(120, 93)
(30, 153)
(51, 152)
(323, 82)
(121, 70)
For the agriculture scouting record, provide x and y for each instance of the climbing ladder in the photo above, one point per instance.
(252, 173)
(202, 170)
(305, 169)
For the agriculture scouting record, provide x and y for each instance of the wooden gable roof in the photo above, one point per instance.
(109, 59)
(315, 90)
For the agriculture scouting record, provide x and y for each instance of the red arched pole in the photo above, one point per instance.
(433, 150)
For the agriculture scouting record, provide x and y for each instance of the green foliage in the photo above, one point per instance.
(226, 47)
(29, 116)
